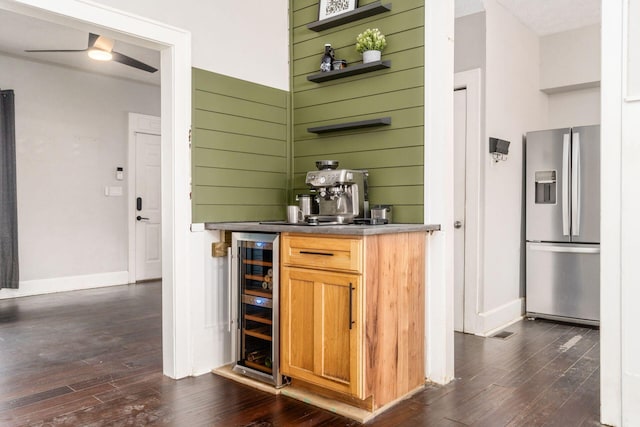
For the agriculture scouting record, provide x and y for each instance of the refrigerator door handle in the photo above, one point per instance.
(565, 248)
(566, 144)
(575, 185)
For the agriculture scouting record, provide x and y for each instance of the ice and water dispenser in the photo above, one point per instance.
(545, 187)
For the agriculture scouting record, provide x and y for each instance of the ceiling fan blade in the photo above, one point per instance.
(56, 50)
(124, 59)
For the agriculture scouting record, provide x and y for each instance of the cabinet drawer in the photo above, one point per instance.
(324, 253)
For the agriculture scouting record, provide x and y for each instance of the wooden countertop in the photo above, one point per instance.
(351, 229)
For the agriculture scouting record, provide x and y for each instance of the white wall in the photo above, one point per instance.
(570, 74)
(71, 134)
(514, 105)
(470, 42)
(246, 39)
(574, 108)
(210, 312)
(570, 59)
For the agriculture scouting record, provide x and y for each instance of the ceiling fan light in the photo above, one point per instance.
(99, 54)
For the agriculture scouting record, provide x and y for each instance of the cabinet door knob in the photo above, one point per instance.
(457, 224)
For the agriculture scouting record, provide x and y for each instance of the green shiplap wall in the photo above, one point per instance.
(239, 149)
(394, 155)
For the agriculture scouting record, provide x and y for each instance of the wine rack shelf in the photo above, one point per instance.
(259, 319)
(261, 333)
(258, 293)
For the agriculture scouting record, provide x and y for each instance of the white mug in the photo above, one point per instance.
(294, 214)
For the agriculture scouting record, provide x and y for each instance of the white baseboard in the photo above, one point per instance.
(500, 317)
(63, 284)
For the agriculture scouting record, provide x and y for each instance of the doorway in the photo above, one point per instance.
(175, 47)
(144, 207)
(467, 188)
(459, 201)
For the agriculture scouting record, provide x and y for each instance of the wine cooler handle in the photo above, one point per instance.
(351, 322)
(230, 288)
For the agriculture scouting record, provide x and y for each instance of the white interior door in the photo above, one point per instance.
(148, 250)
(459, 198)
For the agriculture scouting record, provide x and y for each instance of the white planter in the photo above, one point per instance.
(370, 56)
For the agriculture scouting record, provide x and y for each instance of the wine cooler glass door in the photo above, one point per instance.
(257, 263)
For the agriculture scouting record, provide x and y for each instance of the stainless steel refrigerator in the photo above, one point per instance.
(563, 224)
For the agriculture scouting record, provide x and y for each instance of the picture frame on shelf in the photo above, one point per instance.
(331, 8)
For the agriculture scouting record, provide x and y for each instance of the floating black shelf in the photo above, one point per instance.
(361, 12)
(382, 121)
(349, 71)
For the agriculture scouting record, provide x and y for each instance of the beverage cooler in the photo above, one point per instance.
(255, 307)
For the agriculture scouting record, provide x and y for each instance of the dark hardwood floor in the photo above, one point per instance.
(93, 358)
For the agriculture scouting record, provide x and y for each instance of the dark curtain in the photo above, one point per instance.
(9, 276)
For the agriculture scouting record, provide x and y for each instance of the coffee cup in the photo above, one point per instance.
(294, 214)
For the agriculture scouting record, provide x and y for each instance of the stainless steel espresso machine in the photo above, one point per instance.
(341, 194)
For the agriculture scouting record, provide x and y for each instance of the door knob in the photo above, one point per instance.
(457, 224)
(139, 218)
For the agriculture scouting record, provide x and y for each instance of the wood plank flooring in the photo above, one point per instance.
(93, 358)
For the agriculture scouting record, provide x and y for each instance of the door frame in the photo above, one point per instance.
(138, 123)
(618, 255)
(471, 80)
(174, 45)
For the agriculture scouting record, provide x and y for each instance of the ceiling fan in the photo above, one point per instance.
(101, 49)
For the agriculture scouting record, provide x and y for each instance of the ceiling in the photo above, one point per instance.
(543, 16)
(19, 32)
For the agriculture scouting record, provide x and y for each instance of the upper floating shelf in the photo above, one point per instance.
(382, 121)
(349, 71)
(359, 13)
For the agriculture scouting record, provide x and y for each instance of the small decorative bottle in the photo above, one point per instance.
(327, 58)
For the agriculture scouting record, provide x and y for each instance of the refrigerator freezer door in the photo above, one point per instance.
(547, 186)
(586, 197)
(563, 282)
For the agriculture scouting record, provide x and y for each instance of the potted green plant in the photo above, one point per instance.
(370, 43)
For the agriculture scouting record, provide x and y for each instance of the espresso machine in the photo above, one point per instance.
(341, 194)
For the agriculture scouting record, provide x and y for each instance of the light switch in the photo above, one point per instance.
(119, 173)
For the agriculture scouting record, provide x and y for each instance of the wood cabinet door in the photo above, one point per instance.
(321, 328)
